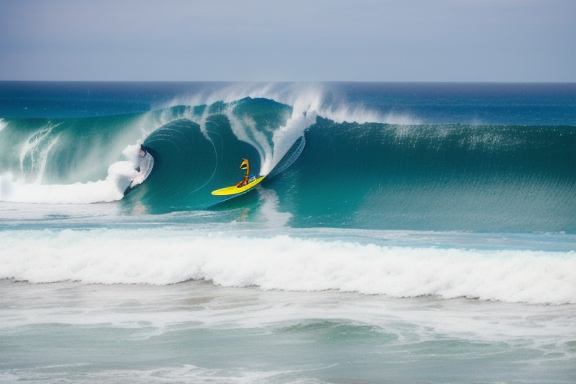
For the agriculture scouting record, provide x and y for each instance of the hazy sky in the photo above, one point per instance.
(293, 40)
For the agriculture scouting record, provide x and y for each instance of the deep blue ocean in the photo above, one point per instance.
(404, 233)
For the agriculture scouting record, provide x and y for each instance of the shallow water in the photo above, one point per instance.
(199, 332)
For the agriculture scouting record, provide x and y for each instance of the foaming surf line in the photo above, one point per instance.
(282, 262)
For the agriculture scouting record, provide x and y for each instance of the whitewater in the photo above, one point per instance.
(405, 232)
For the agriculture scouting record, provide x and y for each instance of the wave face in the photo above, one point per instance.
(201, 152)
(441, 177)
(385, 170)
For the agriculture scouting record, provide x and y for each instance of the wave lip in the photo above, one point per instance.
(282, 262)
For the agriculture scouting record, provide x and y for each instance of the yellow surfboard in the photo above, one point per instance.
(234, 190)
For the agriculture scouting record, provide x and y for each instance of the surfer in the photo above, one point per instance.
(243, 186)
(244, 165)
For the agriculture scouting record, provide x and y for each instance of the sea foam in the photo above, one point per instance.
(120, 174)
(281, 262)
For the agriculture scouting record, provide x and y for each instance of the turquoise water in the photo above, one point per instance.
(420, 233)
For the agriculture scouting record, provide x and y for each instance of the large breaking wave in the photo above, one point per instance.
(329, 164)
